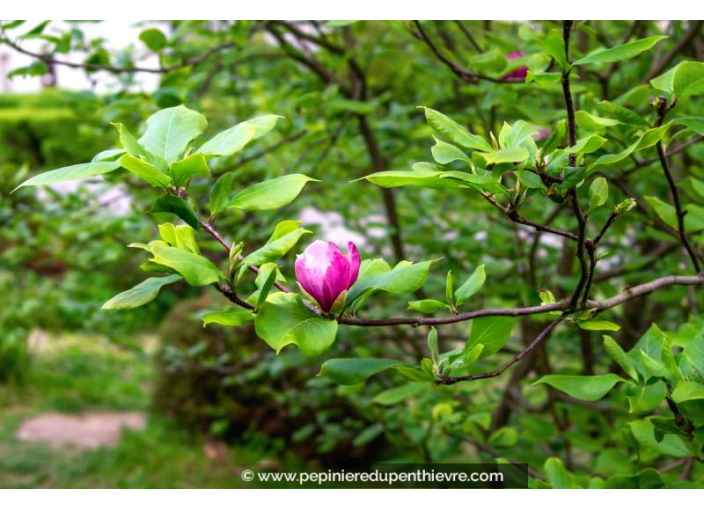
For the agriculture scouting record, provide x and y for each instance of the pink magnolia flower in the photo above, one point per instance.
(518, 74)
(325, 273)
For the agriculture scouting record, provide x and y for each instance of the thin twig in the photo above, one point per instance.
(518, 357)
(121, 69)
(663, 108)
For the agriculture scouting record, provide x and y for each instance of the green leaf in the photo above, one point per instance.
(647, 478)
(554, 45)
(543, 79)
(491, 332)
(598, 193)
(271, 194)
(646, 398)
(347, 371)
(277, 246)
(193, 166)
(129, 142)
(624, 115)
(686, 78)
(178, 206)
(284, 228)
(688, 390)
(433, 345)
(339, 104)
(694, 352)
(233, 140)
(587, 145)
(445, 153)
(653, 367)
(195, 269)
(393, 396)
(108, 155)
(669, 361)
(423, 176)
(233, 317)
(154, 39)
(283, 320)
(169, 132)
(140, 294)
(182, 237)
(622, 52)
(449, 287)
(598, 326)
(583, 387)
(519, 134)
(471, 286)
(467, 357)
(504, 437)
(616, 353)
(404, 278)
(484, 183)
(511, 155)
(696, 124)
(145, 171)
(593, 123)
(529, 179)
(415, 374)
(368, 435)
(694, 220)
(646, 140)
(220, 194)
(651, 343)
(428, 306)
(556, 474)
(266, 277)
(71, 173)
(36, 68)
(665, 211)
(671, 444)
(454, 132)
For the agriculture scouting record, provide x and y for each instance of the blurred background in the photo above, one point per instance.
(151, 398)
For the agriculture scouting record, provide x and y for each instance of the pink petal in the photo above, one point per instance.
(328, 298)
(310, 277)
(338, 273)
(355, 262)
(311, 266)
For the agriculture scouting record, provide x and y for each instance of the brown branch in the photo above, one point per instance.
(469, 36)
(311, 63)
(456, 68)
(644, 288)
(572, 140)
(121, 69)
(515, 216)
(518, 357)
(663, 108)
(591, 249)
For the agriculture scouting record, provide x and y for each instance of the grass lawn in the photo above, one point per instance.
(76, 374)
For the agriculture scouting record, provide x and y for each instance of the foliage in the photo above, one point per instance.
(513, 210)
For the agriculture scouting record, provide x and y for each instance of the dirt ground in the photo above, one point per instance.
(88, 431)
